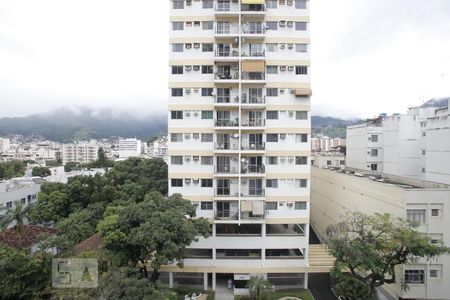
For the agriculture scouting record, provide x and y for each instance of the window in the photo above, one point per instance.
(374, 138)
(301, 138)
(272, 3)
(176, 137)
(415, 276)
(208, 3)
(177, 25)
(207, 183)
(434, 274)
(9, 204)
(196, 23)
(300, 4)
(301, 183)
(271, 92)
(271, 205)
(207, 114)
(176, 182)
(206, 160)
(272, 138)
(272, 25)
(301, 115)
(176, 160)
(176, 114)
(374, 167)
(207, 69)
(177, 47)
(272, 69)
(272, 47)
(177, 70)
(207, 92)
(301, 48)
(342, 162)
(208, 25)
(301, 70)
(300, 205)
(206, 205)
(415, 215)
(178, 4)
(301, 160)
(272, 183)
(435, 212)
(300, 26)
(177, 92)
(207, 47)
(373, 152)
(272, 114)
(207, 137)
(272, 160)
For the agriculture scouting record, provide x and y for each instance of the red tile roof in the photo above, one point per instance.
(31, 236)
(90, 244)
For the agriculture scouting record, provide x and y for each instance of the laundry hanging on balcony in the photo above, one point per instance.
(253, 1)
(253, 66)
(246, 206)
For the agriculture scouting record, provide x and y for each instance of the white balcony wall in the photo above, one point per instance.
(288, 10)
(193, 121)
(192, 53)
(192, 189)
(200, 213)
(289, 143)
(191, 166)
(286, 166)
(285, 119)
(288, 98)
(190, 144)
(286, 187)
(251, 242)
(287, 76)
(191, 76)
(192, 98)
(245, 263)
(195, 9)
(286, 211)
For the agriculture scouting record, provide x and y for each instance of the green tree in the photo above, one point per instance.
(78, 226)
(259, 288)
(11, 169)
(17, 215)
(50, 207)
(154, 232)
(54, 163)
(370, 247)
(71, 166)
(41, 172)
(102, 161)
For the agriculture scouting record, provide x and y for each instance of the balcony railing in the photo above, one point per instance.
(253, 146)
(227, 123)
(253, 8)
(250, 216)
(227, 169)
(253, 30)
(226, 146)
(258, 192)
(234, 192)
(227, 7)
(226, 215)
(226, 99)
(253, 99)
(253, 76)
(258, 169)
(227, 30)
(228, 53)
(254, 123)
(226, 76)
(261, 54)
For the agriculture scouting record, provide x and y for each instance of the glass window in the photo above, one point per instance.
(207, 137)
(301, 115)
(271, 92)
(271, 205)
(272, 160)
(301, 183)
(207, 47)
(272, 3)
(207, 183)
(301, 138)
(301, 47)
(176, 160)
(373, 152)
(415, 276)
(207, 114)
(177, 70)
(272, 114)
(301, 160)
(272, 183)
(272, 25)
(300, 26)
(176, 114)
(272, 69)
(300, 205)
(301, 70)
(272, 47)
(435, 212)
(272, 138)
(176, 92)
(206, 160)
(206, 205)
(208, 3)
(177, 25)
(374, 138)
(177, 47)
(300, 4)
(207, 69)
(207, 92)
(415, 215)
(178, 4)
(176, 182)
(208, 25)
(176, 137)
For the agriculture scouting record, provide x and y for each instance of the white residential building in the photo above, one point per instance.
(333, 159)
(365, 146)
(4, 145)
(129, 148)
(80, 152)
(239, 127)
(335, 193)
(25, 190)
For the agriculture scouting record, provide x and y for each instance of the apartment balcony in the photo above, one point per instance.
(253, 10)
(253, 77)
(226, 146)
(227, 170)
(226, 55)
(226, 192)
(253, 170)
(253, 101)
(226, 210)
(253, 146)
(252, 210)
(226, 124)
(253, 31)
(253, 193)
(224, 9)
(227, 31)
(226, 100)
(255, 55)
(231, 77)
(253, 124)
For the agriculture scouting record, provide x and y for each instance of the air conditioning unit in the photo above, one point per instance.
(188, 2)
(282, 68)
(291, 114)
(196, 114)
(291, 159)
(196, 68)
(187, 158)
(196, 180)
(290, 46)
(187, 91)
(292, 91)
(196, 90)
(187, 114)
(187, 180)
(236, 135)
(187, 136)
(290, 24)
(197, 45)
(188, 46)
(282, 23)
(291, 68)
(290, 2)
(283, 159)
(188, 68)
(282, 46)
(290, 204)
(281, 91)
(196, 136)
(195, 204)
(282, 136)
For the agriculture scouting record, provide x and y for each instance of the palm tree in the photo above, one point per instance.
(259, 288)
(19, 214)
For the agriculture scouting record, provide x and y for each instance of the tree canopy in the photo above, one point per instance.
(11, 169)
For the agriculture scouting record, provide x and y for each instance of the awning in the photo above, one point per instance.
(246, 206)
(303, 92)
(253, 1)
(253, 66)
(258, 208)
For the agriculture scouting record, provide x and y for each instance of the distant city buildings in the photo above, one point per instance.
(4, 145)
(129, 148)
(159, 148)
(80, 152)
(331, 159)
(326, 143)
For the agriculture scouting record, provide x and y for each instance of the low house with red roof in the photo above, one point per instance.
(30, 239)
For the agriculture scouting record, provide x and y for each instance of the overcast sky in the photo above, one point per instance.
(368, 56)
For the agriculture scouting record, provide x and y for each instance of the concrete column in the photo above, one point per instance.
(306, 280)
(170, 279)
(205, 281)
(213, 283)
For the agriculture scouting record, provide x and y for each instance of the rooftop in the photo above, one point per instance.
(90, 244)
(32, 234)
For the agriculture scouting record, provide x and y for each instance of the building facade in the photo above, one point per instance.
(24, 190)
(80, 152)
(334, 160)
(239, 137)
(129, 148)
(4, 145)
(334, 194)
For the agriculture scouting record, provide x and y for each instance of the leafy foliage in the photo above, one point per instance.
(259, 288)
(11, 169)
(41, 171)
(370, 247)
(17, 216)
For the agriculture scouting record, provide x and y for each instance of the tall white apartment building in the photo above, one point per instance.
(129, 148)
(365, 146)
(4, 145)
(239, 146)
(80, 152)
